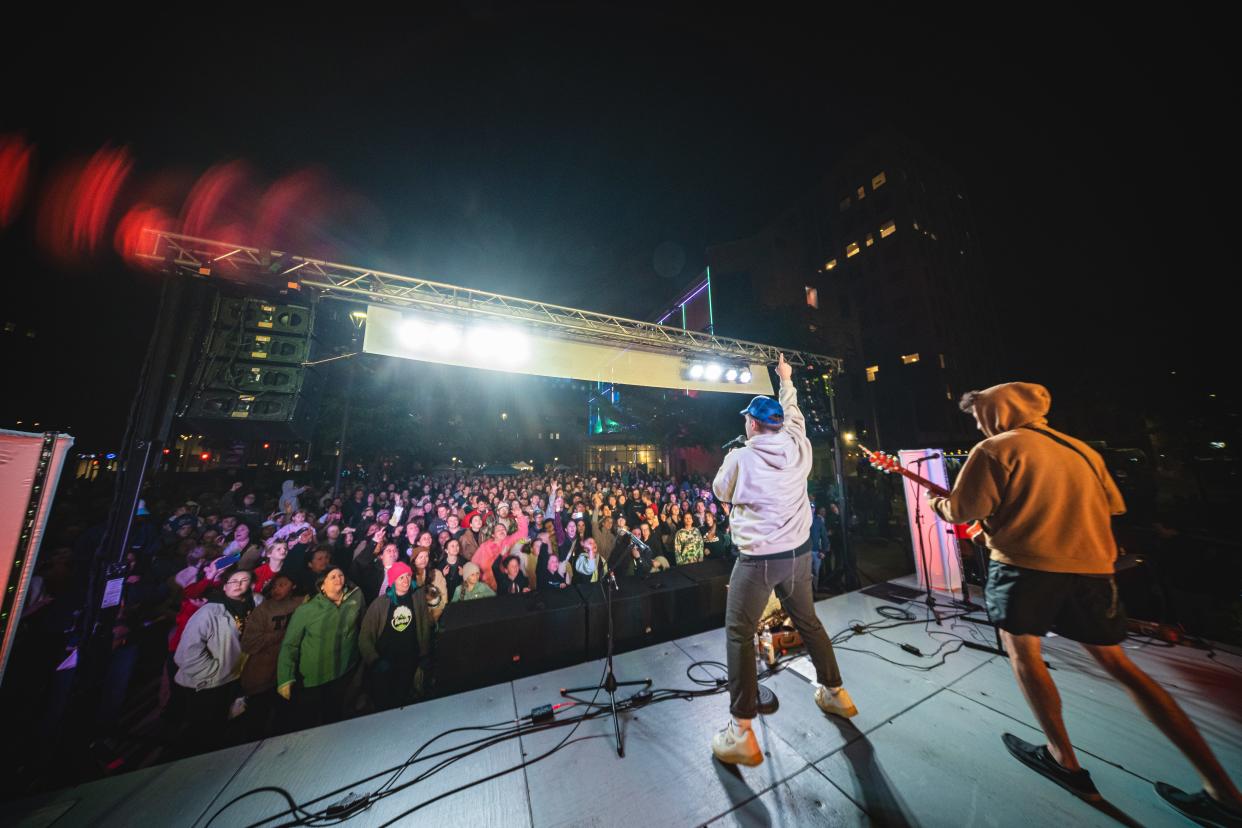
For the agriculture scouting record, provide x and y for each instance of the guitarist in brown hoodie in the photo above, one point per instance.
(1046, 500)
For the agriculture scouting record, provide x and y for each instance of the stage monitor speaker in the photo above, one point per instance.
(492, 640)
(705, 609)
(644, 611)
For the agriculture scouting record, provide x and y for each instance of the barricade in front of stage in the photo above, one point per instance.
(492, 640)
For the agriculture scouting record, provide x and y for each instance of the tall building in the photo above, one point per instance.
(879, 264)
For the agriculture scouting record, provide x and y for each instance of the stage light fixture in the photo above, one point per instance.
(713, 372)
(446, 337)
(746, 376)
(412, 333)
(696, 371)
(513, 346)
(731, 374)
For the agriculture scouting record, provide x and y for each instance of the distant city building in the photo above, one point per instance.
(879, 264)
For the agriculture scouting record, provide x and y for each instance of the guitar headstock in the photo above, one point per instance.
(879, 460)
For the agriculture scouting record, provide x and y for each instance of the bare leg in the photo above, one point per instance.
(1041, 694)
(1166, 714)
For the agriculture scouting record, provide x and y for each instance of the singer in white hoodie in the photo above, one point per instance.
(765, 480)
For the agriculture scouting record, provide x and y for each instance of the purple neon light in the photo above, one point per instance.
(684, 302)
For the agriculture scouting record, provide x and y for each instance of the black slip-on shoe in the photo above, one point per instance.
(1038, 759)
(1199, 807)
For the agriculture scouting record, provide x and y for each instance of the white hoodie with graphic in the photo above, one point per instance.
(766, 482)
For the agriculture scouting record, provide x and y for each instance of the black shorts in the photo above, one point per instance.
(1083, 608)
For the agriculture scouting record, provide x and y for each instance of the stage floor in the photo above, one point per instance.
(925, 748)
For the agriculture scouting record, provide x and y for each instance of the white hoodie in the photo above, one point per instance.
(766, 482)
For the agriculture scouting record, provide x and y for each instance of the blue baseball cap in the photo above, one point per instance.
(766, 410)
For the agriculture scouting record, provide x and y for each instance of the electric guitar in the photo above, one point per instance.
(888, 464)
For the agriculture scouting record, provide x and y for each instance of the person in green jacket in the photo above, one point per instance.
(471, 586)
(320, 651)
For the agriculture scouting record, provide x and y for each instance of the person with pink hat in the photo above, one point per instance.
(395, 641)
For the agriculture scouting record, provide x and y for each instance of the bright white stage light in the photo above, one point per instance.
(446, 337)
(696, 371)
(514, 347)
(503, 344)
(482, 341)
(731, 374)
(413, 334)
(745, 376)
(713, 372)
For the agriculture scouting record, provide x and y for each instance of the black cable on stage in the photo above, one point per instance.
(355, 783)
(506, 731)
(365, 801)
(895, 613)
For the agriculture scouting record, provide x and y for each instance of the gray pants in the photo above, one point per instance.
(749, 587)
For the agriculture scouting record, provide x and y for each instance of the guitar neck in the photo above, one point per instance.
(924, 482)
(906, 473)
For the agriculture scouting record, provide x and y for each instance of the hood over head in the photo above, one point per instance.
(1011, 405)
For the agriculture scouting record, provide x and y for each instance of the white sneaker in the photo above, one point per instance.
(737, 747)
(838, 703)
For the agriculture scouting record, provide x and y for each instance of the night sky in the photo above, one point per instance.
(549, 153)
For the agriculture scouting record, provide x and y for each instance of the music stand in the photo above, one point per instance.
(610, 684)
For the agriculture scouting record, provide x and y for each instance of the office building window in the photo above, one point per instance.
(812, 297)
(831, 265)
(888, 228)
(872, 370)
(879, 180)
(909, 359)
(870, 240)
(862, 193)
(851, 250)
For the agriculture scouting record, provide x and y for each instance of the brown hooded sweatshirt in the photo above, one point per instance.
(1043, 506)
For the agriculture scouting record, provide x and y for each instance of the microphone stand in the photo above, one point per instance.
(610, 685)
(918, 522)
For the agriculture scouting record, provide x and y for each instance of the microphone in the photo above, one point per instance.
(935, 456)
(736, 442)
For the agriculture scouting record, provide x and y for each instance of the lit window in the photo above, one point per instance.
(871, 372)
(878, 181)
(831, 265)
(887, 229)
(909, 359)
(870, 240)
(845, 204)
(862, 193)
(851, 250)
(812, 297)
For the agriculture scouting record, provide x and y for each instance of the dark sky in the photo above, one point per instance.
(547, 153)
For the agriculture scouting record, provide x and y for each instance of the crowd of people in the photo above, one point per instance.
(309, 608)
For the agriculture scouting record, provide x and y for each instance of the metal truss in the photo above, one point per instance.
(345, 282)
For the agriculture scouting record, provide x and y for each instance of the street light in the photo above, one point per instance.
(848, 436)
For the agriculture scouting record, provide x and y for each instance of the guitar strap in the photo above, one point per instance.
(1074, 449)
